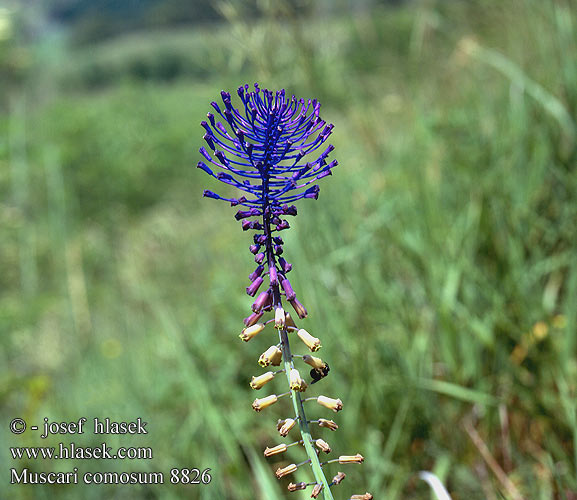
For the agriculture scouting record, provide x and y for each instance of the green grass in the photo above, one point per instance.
(438, 266)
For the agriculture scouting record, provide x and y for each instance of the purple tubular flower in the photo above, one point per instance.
(285, 266)
(256, 273)
(254, 286)
(273, 275)
(288, 290)
(261, 301)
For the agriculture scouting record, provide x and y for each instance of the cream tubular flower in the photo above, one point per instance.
(259, 382)
(296, 381)
(289, 469)
(316, 363)
(330, 403)
(311, 342)
(272, 356)
(351, 459)
(297, 486)
(250, 331)
(280, 448)
(286, 426)
(261, 404)
(322, 445)
(317, 490)
(279, 318)
(339, 477)
(329, 424)
(289, 321)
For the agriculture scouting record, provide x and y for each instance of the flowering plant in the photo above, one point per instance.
(261, 151)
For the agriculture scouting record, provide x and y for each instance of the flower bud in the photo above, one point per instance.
(272, 356)
(351, 459)
(286, 426)
(313, 343)
(322, 445)
(317, 490)
(259, 257)
(329, 424)
(261, 404)
(330, 403)
(297, 486)
(339, 477)
(289, 469)
(259, 382)
(280, 448)
(366, 496)
(250, 331)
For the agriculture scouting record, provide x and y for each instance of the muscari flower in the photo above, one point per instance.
(330, 403)
(263, 148)
(262, 403)
(316, 490)
(289, 469)
(329, 424)
(285, 426)
(259, 382)
(297, 486)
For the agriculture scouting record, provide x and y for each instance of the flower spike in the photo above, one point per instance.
(273, 150)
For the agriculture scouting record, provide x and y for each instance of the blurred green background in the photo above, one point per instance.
(439, 265)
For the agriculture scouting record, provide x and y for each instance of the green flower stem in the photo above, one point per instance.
(302, 419)
(288, 363)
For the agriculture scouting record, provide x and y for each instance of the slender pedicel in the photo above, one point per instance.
(260, 149)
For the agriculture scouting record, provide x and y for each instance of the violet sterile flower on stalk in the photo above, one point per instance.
(264, 149)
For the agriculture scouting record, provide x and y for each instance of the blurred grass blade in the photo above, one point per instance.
(456, 391)
(514, 73)
(436, 485)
